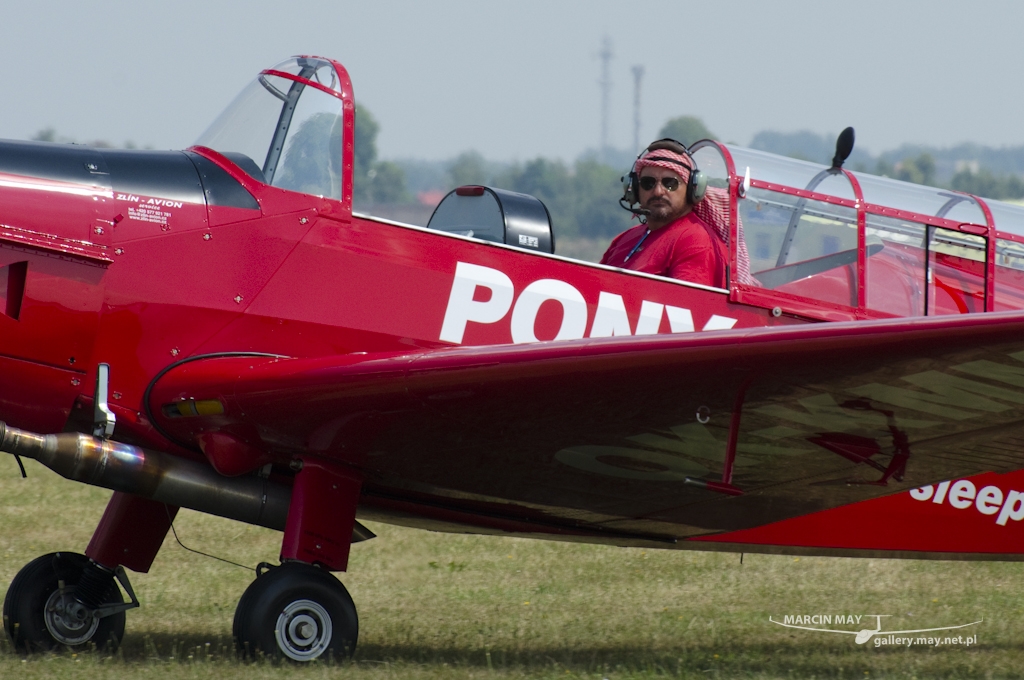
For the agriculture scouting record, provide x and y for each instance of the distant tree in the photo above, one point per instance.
(47, 134)
(981, 183)
(468, 168)
(919, 170)
(367, 128)
(984, 183)
(582, 200)
(308, 165)
(549, 181)
(374, 181)
(686, 129)
(803, 145)
(388, 183)
(810, 146)
(596, 190)
(1014, 187)
(543, 177)
(365, 152)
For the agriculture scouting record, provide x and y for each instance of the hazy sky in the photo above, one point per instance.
(514, 80)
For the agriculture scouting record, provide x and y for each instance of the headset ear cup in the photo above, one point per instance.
(634, 188)
(696, 187)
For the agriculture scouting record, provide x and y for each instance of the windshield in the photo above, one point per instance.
(288, 126)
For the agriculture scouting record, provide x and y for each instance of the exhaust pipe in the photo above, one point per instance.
(157, 476)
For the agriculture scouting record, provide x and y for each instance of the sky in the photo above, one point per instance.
(517, 80)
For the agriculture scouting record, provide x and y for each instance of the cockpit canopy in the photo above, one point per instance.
(287, 127)
(830, 243)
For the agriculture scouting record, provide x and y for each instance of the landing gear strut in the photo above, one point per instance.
(296, 611)
(62, 600)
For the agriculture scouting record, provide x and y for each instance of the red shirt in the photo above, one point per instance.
(686, 249)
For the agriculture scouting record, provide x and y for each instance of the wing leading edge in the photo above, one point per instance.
(596, 438)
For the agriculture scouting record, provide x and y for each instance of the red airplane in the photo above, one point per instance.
(216, 329)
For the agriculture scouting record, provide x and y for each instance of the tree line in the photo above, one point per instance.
(971, 168)
(582, 196)
(921, 169)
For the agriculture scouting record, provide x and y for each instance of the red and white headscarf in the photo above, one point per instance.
(714, 209)
(678, 163)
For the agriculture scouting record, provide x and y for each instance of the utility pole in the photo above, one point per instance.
(638, 75)
(606, 88)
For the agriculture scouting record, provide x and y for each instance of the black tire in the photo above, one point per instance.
(32, 618)
(298, 612)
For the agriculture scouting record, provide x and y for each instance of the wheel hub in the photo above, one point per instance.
(304, 630)
(68, 621)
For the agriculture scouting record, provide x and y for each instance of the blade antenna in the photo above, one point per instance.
(844, 147)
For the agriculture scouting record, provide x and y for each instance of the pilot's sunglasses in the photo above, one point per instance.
(670, 183)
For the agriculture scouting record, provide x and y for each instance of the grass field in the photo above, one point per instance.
(436, 605)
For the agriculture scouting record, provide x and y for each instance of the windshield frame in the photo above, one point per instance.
(754, 295)
(343, 93)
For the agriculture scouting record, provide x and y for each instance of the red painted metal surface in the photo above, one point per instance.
(734, 431)
(130, 532)
(862, 266)
(982, 517)
(415, 370)
(909, 215)
(803, 193)
(38, 396)
(990, 274)
(322, 514)
(449, 405)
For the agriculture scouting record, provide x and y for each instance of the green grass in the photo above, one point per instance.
(437, 605)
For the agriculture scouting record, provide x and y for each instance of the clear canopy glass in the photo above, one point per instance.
(1008, 217)
(790, 172)
(288, 123)
(711, 162)
(924, 200)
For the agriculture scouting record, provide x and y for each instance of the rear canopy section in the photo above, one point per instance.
(832, 244)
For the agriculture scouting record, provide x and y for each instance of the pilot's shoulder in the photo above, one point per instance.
(693, 226)
(626, 236)
(629, 233)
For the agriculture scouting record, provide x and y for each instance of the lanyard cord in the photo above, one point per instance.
(637, 246)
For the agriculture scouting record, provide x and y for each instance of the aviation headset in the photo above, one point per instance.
(696, 186)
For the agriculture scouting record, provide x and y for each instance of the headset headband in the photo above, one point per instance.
(667, 160)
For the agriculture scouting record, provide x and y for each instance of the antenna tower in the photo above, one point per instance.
(638, 76)
(606, 88)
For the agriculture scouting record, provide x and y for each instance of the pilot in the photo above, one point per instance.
(683, 226)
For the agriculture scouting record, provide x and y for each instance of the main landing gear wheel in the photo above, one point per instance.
(41, 612)
(296, 611)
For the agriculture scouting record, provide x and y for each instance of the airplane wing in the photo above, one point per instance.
(929, 630)
(596, 438)
(819, 630)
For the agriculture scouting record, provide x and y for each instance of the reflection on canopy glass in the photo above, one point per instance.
(309, 165)
(290, 130)
(802, 246)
